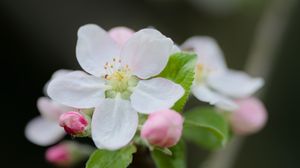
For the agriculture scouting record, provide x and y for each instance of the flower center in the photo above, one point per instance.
(119, 79)
(199, 73)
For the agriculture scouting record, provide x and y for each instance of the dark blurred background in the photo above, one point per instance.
(39, 37)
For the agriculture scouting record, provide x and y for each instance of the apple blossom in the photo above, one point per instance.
(163, 128)
(250, 117)
(214, 82)
(50, 112)
(120, 82)
(44, 130)
(75, 123)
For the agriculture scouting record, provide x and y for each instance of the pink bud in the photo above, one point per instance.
(59, 155)
(120, 34)
(163, 128)
(250, 117)
(74, 123)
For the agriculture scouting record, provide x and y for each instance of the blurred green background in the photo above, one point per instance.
(39, 37)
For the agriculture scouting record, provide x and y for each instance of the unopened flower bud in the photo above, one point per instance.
(120, 34)
(59, 155)
(67, 153)
(75, 123)
(163, 128)
(250, 117)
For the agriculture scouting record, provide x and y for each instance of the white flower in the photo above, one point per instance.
(119, 82)
(44, 130)
(214, 82)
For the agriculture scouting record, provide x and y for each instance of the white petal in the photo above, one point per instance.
(94, 48)
(226, 104)
(208, 52)
(60, 72)
(43, 132)
(146, 53)
(236, 84)
(175, 49)
(114, 124)
(77, 89)
(50, 109)
(155, 94)
(57, 73)
(205, 94)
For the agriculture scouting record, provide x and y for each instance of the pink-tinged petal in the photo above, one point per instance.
(43, 132)
(209, 53)
(250, 118)
(114, 124)
(77, 89)
(94, 48)
(120, 35)
(155, 94)
(146, 53)
(50, 109)
(236, 84)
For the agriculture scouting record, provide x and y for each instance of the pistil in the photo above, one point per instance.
(119, 79)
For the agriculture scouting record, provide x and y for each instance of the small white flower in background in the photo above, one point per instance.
(44, 130)
(119, 83)
(214, 82)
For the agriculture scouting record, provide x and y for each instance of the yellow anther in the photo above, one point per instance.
(199, 68)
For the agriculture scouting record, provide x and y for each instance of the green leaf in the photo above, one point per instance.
(181, 69)
(111, 159)
(206, 127)
(176, 160)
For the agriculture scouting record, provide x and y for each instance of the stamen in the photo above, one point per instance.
(114, 70)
